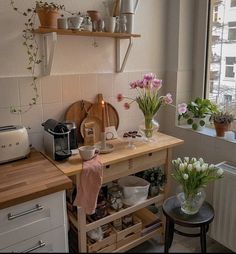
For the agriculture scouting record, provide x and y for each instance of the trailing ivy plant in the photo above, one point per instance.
(31, 44)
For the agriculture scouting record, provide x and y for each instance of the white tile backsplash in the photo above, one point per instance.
(8, 118)
(51, 89)
(9, 92)
(54, 111)
(71, 89)
(27, 92)
(89, 89)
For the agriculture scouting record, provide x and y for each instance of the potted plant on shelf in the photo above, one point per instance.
(195, 112)
(222, 121)
(29, 39)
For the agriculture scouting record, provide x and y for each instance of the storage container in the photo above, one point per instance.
(134, 189)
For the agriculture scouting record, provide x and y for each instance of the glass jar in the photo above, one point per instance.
(114, 197)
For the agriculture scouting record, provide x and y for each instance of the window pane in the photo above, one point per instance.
(221, 81)
(233, 3)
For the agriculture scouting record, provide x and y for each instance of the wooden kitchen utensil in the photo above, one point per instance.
(112, 117)
(77, 112)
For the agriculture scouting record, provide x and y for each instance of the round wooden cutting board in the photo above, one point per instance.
(111, 118)
(77, 112)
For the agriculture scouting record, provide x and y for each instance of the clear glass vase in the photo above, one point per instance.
(149, 126)
(191, 203)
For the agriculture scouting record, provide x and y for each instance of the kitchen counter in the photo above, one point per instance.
(30, 178)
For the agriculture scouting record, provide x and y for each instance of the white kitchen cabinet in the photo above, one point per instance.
(25, 225)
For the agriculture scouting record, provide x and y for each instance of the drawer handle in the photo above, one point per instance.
(107, 166)
(40, 245)
(14, 216)
(150, 154)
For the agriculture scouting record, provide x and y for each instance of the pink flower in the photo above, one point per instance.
(182, 108)
(168, 99)
(119, 97)
(149, 76)
(134, 84)
(157, 83)
(126, 105)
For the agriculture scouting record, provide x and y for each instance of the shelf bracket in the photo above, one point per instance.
(48, 52)
(120, 67)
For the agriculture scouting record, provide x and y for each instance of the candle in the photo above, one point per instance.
(103, 116)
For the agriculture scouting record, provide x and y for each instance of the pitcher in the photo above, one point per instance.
(129, 6)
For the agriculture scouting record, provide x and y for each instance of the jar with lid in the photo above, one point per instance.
(87, 24)
(114, 197)
(123, 24)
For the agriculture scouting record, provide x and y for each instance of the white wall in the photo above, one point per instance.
(80, 70)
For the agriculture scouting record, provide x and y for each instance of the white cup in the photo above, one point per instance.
(62, 23)
(129, 6)
(110, 24)
(74, 22)
(87, 152)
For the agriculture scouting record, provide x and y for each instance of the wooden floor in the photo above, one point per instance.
(180, 245)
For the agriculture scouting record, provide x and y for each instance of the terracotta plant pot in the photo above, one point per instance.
(48, 17)
(221, 128)
(94, 15)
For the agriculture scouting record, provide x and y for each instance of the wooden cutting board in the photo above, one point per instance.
(111, 118)
(77, 112)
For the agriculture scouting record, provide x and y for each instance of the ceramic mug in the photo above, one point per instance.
(88, 152)
(62, 23)
(110, 24)
(74, 22)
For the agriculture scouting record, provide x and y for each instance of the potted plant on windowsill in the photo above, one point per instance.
(222, 122)
(195, 112)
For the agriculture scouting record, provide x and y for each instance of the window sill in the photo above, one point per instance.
(230, 136)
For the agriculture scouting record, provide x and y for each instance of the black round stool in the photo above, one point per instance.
(174, 215)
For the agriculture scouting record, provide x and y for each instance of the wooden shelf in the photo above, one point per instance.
(53, 33)
(85, 33)
(124, 212)
(140, 240)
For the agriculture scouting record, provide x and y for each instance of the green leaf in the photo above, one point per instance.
(190, 121)
(194, 126)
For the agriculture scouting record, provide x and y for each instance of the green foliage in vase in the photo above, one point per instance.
(193, 174)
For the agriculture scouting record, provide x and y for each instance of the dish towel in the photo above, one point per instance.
(90, 184)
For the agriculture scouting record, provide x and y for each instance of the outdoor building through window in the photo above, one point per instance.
(221, 75)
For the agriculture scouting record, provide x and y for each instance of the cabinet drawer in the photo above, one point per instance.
(148, 160)
(115, 171)
(31, 218)
(51, 241)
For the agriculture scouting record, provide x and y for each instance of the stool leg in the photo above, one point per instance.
(169, 233)
(203, 238)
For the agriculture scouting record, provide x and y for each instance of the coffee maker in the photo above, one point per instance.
(56, 140)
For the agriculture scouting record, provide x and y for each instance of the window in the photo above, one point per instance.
(232, 31)
(233, 3)
(229, 67)
(221, 62)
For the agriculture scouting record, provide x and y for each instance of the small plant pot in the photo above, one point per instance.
(48, 17)
(221, 128)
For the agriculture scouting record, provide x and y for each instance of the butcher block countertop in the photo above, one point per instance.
(73, 165)
(29, 178)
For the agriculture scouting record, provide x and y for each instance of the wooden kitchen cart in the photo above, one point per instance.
(119, 163)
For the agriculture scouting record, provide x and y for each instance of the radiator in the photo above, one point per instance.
(223, 227)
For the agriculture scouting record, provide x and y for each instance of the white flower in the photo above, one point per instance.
(186, 159)
(204, 167)
(212, 166)
(181, 166)
(196, 164)
(185, 176)
(198, 168)
(179, 160)
(201, 160)
(190, 167)
(220, 172)
(185, 165)
(193, 160)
